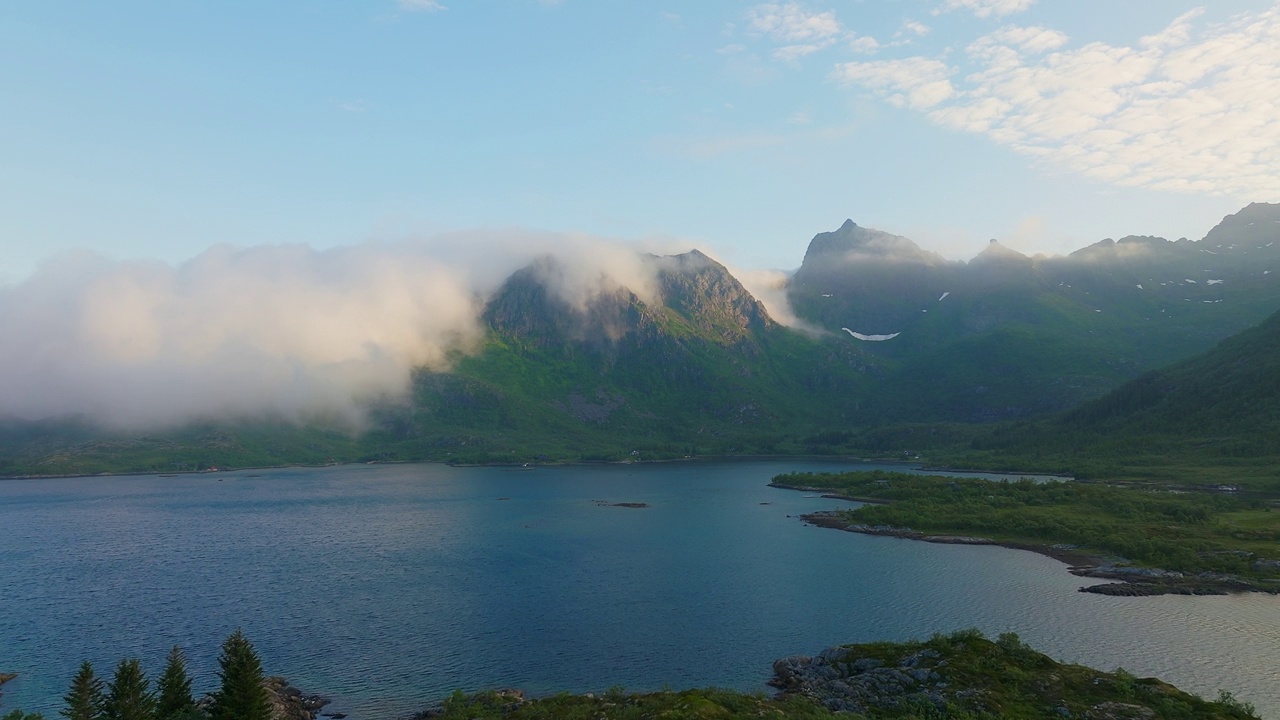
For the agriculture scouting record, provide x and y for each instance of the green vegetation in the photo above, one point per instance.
(1185, 532)
(1212, 419)
(173, 689)
(964, 677)
(127, 695)
(86, 697)
(619, 705)
(242, 695)
(961, 676)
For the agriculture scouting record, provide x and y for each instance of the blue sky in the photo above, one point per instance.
(158, 129)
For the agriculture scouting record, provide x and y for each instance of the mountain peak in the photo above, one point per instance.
(1254, 222)
(852, 243)
(994, 251)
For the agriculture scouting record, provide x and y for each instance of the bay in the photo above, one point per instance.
(388, 586)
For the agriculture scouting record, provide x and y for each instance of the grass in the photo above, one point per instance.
(1187, 532)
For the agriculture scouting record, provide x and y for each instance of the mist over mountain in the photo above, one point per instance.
(272, 331)
(520, 346)
(698, 366)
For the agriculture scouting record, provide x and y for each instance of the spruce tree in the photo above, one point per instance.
(84, 699)
(127, 695)
(242, 695)
(174, 700)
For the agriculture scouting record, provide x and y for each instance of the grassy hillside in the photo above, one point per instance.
(1185, 532)
(1210, 419)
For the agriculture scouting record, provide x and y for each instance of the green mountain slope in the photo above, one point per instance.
(1006, 336)
(700, 368)
(1218, 410)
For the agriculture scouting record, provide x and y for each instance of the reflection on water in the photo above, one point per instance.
(386, 587)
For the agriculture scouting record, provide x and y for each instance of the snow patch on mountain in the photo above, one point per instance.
(870, 338)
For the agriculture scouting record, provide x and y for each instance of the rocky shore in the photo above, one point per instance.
(842, 681)
(1133, 581)
(287, 702)
(6, 677)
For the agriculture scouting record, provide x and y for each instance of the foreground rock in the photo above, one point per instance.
(964, 675)
(290, 703)
(287, 701)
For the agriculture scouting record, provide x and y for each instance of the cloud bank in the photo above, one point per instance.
(279, 331)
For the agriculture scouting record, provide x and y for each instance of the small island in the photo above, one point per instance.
(1152, 539)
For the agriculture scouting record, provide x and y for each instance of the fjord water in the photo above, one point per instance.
(386, 587)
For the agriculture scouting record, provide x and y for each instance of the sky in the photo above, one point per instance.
(232, 208)
(155, 130)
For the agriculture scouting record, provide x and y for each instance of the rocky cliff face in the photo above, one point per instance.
(696, 296)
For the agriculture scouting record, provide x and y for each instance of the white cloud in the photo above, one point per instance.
(912, 27)
(791, 53)
(1184, 110)
(421, 5)
(791, 23)
(986, 8)
(917, 82)
(864, 44)
(1025, 39)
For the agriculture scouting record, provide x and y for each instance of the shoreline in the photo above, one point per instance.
(530, 465)
(1130, 581)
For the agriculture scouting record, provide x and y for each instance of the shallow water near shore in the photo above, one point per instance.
(386, 587)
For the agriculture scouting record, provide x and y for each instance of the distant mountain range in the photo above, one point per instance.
(1007, 336)
(696, 365)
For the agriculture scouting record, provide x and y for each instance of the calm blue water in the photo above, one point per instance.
(386, 587)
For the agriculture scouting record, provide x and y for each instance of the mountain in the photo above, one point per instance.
(1211, 418)
(915, 353)
(697, 367)
(1007, 336)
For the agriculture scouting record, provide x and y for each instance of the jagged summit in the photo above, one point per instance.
(1256, 222)
(705, 292)
(995, 252)
(852, 243)
(539, 304)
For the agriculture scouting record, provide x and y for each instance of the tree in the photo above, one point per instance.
(84, 699)
(19, 715)
(242, 695)
(127, 695)
(174, 689)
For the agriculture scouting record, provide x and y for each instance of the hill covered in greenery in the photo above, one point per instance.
(1210, 419)
(915, 355)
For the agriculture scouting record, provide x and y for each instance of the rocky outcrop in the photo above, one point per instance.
(1144, 582)
(287, 702)
(843, 681)
(290, 703)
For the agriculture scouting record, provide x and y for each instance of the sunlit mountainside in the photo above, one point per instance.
(682, 360)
